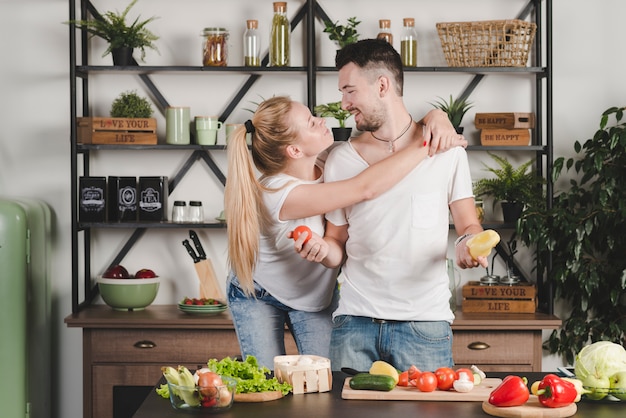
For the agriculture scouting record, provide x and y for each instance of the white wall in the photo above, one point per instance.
(34, 139)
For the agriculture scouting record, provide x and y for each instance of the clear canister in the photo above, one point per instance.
(195, 212)
(215, 47)
(179, 211)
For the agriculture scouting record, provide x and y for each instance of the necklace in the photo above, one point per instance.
(391, 141)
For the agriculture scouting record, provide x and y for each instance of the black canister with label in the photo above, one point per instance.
(152, 203)
(92, 199)
(122, 199)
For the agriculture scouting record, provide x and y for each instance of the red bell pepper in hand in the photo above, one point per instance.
(555, 392)
(511, 392)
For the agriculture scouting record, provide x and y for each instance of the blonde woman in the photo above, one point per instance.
(270, 285)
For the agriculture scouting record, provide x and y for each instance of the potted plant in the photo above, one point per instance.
(581, 239)
(334, 110)
(130, 105)
(342, 34)
(130, 122)
(122, 38)
(456, 109)
(513, 187)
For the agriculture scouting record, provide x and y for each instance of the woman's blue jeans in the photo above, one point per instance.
(260, 325)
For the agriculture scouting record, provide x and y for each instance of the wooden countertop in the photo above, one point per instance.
(331, 405)
(154, 316)
(168, 316)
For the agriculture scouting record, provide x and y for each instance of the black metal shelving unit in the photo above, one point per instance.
(539, 11)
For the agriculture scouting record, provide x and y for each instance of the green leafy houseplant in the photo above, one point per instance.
(130, 105)
(333, 110)
(583, 234)
(510, 184)
(342, 34)
(455, 108)
(113, 28)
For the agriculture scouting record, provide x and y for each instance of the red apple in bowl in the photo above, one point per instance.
(116, 272)
(145, 274)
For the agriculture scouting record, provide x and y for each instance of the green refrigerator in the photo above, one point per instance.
(25, 234)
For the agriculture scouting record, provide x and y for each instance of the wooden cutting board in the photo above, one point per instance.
(258, 396)
(479, 393)
(530, 409)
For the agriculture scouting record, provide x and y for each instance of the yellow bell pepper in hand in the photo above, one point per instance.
(481, 244)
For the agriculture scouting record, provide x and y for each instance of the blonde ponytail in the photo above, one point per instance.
(243, 195)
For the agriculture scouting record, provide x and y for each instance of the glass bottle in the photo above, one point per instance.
(251, 44)
(385, 30)
(279, 37)
(408, 43)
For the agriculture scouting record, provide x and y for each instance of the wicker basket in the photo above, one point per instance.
(490, 43)
(305, 373)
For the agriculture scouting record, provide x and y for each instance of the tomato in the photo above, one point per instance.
(208, 382)
(299, 230)
(445, 378)
(427, 382)
(403, 379)
(470, 374)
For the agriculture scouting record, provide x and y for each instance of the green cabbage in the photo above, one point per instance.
(600, 359)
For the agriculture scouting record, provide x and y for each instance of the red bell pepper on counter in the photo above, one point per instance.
(555, 392)
(511, 392)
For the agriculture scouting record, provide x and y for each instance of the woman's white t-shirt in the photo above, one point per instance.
(294, 281)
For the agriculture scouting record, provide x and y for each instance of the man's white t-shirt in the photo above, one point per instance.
(397, 245)
(294, 281)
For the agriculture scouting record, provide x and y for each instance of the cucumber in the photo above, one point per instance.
(366, 381)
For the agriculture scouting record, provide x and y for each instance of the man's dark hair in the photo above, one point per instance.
(371, 54)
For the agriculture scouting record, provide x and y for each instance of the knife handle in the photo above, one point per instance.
(191, 251)
(198, 244)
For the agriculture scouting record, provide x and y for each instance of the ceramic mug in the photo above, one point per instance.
(206, 129)
(232, 127)
(177, 120)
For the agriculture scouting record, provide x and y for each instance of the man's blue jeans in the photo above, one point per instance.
(357, 342)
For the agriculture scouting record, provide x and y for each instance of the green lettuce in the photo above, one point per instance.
(251, 377)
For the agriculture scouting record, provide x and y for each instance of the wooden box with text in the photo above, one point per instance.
(504, 120)
(505, 137)
(517, 298)
(119, 131)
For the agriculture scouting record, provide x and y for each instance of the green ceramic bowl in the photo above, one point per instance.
(128, 294)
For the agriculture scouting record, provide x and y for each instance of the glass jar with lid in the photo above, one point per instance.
(195, 212)
(215, 47)
(179, 211)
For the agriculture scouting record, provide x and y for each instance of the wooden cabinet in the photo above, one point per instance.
(500, 342)
(127, 349)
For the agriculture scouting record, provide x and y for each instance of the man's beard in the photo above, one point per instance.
(371, 124)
